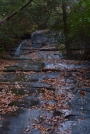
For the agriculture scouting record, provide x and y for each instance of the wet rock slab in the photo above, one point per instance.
(27, 85)
(50, 55)
(36, 85)
(80, 115)
(65, 66)
(17, 123)
(14, 77)
(22, 91)
(26, 66)
(41, 36)
(17, 58)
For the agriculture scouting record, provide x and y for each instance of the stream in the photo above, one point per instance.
(53, 94)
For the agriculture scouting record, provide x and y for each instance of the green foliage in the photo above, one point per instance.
(7, 6)
(39, 14)
(42, 12)
(55, 22)
(79, 21)
(16, 26)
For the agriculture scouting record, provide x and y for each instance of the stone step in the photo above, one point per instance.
(28, 85)
(17, 77)
(25, 66)
(17, 58)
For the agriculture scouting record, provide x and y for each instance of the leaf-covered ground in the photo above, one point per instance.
(44, 93)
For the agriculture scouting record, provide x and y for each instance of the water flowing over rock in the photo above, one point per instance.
(42, 37)
(43, 93)
(19, 49)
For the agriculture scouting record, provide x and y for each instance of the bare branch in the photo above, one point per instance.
(8, 17)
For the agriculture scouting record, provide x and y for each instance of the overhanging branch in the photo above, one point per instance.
(8, 17)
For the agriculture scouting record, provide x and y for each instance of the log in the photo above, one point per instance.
(8, 17)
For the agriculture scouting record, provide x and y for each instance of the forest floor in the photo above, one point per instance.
(43, 93)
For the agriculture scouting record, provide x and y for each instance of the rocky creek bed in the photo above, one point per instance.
(43, 93)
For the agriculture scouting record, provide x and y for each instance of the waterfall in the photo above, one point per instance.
(19, 49)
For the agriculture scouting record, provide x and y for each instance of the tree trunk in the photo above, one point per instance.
(67, 45)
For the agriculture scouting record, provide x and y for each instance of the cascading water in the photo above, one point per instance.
(19, 49)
